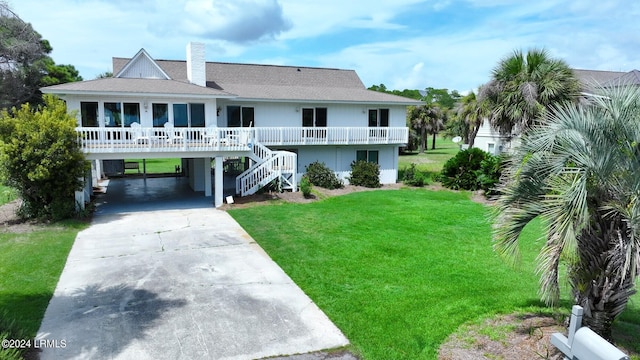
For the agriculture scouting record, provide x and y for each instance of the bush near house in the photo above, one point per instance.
(40, 158)
(472, 169)
(305, 186)
(364, 173)
(320, 175)
(413, 177)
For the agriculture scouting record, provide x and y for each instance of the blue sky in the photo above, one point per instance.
(412, 44)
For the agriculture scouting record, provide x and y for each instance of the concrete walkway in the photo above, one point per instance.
(177, 284)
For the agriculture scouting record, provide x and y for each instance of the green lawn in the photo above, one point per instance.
(30, 265)
(156, 166)
(431, 161)
(398, 271)
(7, 194)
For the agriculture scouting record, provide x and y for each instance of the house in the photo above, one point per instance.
(490, 140)
(279, 118)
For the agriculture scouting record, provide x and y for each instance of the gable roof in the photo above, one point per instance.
(243, 82)
(142, 66)
(253, 82)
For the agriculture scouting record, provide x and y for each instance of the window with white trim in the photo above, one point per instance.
(378, 117)
(367, 155)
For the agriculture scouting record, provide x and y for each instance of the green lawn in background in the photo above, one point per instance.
(397, 271)
(31, 264)
(156, 166)
(431, 161)
(7, 194)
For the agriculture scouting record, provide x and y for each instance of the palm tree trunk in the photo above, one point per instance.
(423, 144)
(597, 282)
(472, 136)
(433, 142)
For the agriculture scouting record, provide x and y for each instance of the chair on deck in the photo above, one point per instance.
(173, 136)
(138, 134)
(210, 135)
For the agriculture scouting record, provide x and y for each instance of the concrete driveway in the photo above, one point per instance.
(177, 284)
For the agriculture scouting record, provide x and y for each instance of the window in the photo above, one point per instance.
(378, 117)
(180, 115)
(197, 115)
(160, 114)
(367, 155)
(314, 117)
(89, 114)
(131, 113)
(188, 115)
(491, 148)
(112, 114)
(240, 116)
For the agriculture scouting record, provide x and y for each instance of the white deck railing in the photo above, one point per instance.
(141, 139)
(126, 140)
(331, 135)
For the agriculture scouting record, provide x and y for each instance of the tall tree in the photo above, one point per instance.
(524, 87)
(469, 115)
(442, 97)
(579, 170)
(24, 62)
(428, 120)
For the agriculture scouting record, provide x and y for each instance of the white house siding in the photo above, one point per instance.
(290, 114)
(490, 140)
(146, 114)
(339, 159)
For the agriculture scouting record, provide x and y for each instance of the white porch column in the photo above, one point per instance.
(207, 177)
(219, 179)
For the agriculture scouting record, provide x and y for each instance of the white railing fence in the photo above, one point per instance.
(114, 140)
(279, 165)
(331, 135)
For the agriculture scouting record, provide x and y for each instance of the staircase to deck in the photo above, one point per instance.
(268, 166)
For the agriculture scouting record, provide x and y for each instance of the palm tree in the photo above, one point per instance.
(578, 169)
(429, 120)
(470, 113)
(524, 87)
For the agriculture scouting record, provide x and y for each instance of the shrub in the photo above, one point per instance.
(489, 174)
(320, 175)
(305, 186)
(364, 173)
(471, 169)
(413, 177)
(40, 158)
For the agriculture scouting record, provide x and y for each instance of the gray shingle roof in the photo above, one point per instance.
(630, 78)
(157, 87)
(281, 83)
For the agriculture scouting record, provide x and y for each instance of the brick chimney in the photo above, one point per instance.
(196, 68)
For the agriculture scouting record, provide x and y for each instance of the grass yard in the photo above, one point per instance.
(431, 161)
(156, 166)
(402, 272)
(30, 265)
(7, 194)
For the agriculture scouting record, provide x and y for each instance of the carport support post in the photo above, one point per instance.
(207, 176)
(219, 185)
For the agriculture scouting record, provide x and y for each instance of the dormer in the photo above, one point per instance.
(142, 66)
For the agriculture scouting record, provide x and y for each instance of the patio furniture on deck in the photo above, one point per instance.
(139, 136)
(210, 135)
(174, 136)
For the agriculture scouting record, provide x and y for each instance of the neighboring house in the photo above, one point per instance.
(490, 140)
(282, 118)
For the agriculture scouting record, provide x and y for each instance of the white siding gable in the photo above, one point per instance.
(142, 66)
